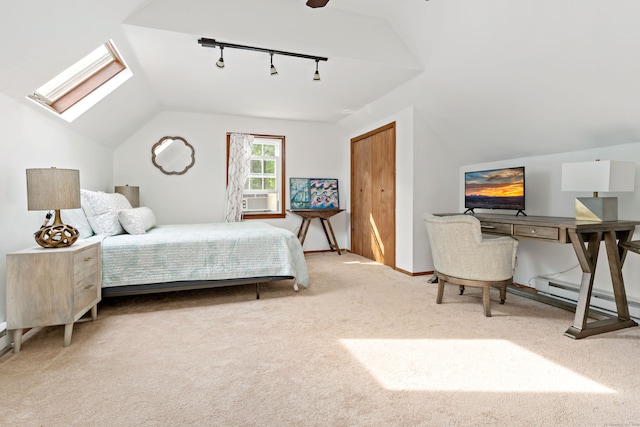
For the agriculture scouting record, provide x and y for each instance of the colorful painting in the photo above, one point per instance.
(299, 188)
(314, 193)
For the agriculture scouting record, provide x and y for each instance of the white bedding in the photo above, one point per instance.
(217, 251)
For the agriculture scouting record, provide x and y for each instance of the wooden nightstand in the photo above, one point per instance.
(47, 287)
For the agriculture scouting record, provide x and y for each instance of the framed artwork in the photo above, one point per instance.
(314, 193)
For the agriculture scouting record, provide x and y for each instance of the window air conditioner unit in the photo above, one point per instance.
(260, 203)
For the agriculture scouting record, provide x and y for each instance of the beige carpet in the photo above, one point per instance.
(364, 346)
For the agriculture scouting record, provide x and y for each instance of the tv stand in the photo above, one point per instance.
(470, 211)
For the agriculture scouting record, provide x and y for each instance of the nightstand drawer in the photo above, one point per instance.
(85, 272)
(86, 290)
(85, 263)
(550, 233)
(495, 227)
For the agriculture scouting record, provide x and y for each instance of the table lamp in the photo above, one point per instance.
(596, 176)
(54, 189)
(132, 193)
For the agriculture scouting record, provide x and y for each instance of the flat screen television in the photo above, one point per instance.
(495, 189)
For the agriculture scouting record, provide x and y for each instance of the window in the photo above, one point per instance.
(82, 85)
(263, 195)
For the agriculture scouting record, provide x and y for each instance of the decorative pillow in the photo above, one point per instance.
(137, 220)
(102, 211)
(78, 219)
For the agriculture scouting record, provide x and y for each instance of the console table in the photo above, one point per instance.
(322, 214)
(585, 237)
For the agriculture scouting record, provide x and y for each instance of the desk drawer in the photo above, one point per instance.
(495, 227)
(536, 232)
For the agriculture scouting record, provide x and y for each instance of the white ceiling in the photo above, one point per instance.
(366, 57)
(491, 79)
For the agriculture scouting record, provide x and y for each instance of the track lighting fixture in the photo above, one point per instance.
(273, 68)
(220, 63)
(316, 75)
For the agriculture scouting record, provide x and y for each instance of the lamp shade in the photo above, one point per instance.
(52, 188)
(132, 193)
(599, 175)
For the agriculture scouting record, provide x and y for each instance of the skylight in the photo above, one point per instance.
(81, 86)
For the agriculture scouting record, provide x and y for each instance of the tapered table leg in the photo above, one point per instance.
(323, 215)
(333, 242)
(304, 227)
(68, 330)
(587, 252)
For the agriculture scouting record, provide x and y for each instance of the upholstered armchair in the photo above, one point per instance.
(461, 256)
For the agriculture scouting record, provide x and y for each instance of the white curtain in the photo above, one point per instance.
(239, 163)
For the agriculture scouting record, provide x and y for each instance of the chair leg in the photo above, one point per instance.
(503, 294)
(461, 290)
(440, 291)
(486, 301)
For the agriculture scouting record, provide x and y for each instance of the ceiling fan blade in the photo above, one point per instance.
(317, 3)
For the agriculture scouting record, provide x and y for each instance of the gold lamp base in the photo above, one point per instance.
(58, 235)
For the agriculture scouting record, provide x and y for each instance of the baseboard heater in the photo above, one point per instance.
(5, 345)
(603, 301)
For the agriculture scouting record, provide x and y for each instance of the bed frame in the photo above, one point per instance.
(152, 288)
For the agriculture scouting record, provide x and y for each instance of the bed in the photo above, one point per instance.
(140, 257)
(201, 255)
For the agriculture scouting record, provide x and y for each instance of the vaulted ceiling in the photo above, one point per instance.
(490, 78)
(366, 57)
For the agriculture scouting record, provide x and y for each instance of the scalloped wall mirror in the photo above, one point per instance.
(173, 155)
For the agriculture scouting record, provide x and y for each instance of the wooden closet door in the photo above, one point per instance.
(361, 201)
(373, 195)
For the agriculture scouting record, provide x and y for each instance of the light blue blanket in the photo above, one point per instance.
(216, 251)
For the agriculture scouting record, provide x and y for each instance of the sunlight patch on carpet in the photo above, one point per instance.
(464, 365)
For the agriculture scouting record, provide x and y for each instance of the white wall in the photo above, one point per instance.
(31, 140)
(404, 175)
(426, 174)
(312, 150)
(543, 197)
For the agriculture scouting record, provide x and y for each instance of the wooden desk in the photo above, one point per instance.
(585, 237)
(324, 215)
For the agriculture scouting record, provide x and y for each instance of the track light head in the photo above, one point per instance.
(220, 62)
(273, 68)
(316, 75)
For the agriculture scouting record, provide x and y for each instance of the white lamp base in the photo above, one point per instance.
(597, 208)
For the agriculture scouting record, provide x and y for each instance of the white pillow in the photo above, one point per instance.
(102, 211)
(137, 221)
(78, 219)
